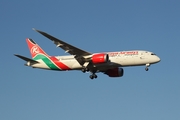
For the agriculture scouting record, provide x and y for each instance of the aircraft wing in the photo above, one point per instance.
(78, 53)
(65, 46)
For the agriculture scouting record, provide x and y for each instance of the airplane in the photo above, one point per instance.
(109, 63)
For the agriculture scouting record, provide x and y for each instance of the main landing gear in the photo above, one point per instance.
(93, 75)
(85, 70)
(147, 65)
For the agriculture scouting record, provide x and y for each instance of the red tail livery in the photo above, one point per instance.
(34, 48)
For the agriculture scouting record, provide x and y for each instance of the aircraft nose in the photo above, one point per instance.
(158, 59)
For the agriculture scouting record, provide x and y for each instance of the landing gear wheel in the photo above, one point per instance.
(83, 70)
(95, 76)
(91, 76)
(146, 68)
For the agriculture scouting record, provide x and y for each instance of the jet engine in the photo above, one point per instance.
(115, 72)
(100, 58)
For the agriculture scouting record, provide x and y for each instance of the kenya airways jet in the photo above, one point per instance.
(109, 63)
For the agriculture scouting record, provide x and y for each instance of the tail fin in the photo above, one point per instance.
(36, 51)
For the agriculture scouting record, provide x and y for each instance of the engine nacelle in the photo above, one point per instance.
(116, 72)
(100, 58)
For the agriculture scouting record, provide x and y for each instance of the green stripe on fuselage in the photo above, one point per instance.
(47, 61)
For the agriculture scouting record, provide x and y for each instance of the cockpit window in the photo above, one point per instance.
(153, 54)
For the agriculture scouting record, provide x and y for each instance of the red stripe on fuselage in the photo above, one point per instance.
(59, 64)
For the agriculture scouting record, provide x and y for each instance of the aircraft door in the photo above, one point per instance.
(143, 57)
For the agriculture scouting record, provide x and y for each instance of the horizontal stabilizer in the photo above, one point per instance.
(26, 59)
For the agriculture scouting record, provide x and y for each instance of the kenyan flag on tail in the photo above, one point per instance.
(38, 53)
(35, 50)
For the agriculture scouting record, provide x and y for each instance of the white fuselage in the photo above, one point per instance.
(116, 59)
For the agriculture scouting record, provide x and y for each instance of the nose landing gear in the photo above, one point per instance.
(146, 68)
(147, 65)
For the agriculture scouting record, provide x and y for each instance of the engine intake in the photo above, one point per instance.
(100, 58)
(115, 72)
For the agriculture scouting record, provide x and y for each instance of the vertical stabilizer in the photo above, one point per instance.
(36, 51)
